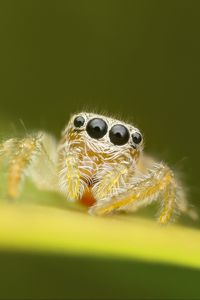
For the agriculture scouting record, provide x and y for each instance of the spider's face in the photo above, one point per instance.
(92, 146)
(103, 136)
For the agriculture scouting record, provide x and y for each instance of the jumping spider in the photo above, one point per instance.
(99, 162)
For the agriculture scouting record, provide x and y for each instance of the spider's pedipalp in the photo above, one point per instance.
(72, 177)
(70, 180)
(109, 180)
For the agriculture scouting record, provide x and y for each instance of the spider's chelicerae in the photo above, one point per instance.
(99, 162)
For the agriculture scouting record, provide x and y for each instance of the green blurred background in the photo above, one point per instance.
(139, 60)
(136, 59)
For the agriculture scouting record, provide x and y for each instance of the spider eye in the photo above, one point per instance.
(79, 121)
(136, 137)
(96, 128)
(119, 135)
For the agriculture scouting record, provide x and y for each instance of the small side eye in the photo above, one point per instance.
(96, 128)
(136, 137)
(119, 135)
(79, 121)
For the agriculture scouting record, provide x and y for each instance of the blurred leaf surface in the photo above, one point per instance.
(31, 227)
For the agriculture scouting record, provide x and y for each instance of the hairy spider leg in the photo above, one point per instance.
(44, 169)
(27, 157)
(159, 181)
(7, 148)
(19, 161)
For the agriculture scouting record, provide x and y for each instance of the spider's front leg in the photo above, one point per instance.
(157, 184)
(25, 157)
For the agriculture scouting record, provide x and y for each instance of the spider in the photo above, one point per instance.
(98, 162)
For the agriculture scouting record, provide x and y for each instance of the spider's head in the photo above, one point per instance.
(91, 146)
(105, 137)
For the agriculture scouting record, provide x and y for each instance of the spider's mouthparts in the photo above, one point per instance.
(87, 199)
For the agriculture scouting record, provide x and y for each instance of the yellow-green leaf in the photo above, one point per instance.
(31, 227)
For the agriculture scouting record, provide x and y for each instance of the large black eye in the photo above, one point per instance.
(96, 128)
(119, 135)
(136, 137)
(79, 121)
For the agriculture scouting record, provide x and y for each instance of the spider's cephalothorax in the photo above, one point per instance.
(97, 154)
(98, 162)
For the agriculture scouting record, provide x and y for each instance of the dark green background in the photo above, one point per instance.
(139, 60)
(136, 59)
